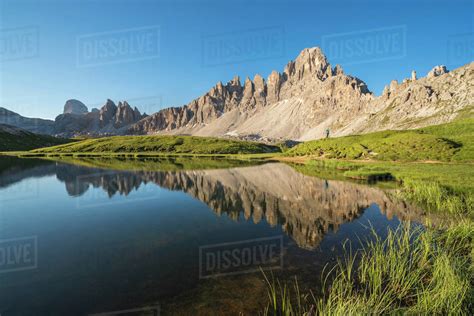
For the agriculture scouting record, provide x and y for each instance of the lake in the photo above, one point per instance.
(173, 236)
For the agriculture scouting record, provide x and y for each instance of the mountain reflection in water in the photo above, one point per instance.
(306, 207)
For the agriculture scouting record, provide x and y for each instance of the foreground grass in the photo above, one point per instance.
(447, 142)
(146, 145)
(412, 271)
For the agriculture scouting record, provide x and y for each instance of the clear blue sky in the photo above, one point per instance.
(51, 66)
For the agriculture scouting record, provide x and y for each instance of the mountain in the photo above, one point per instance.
(298, 104)
(76, 120)
(13, 138)
(310, 96)
(34, 125)
(111, 119)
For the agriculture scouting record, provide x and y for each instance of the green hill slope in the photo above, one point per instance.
(447, 142)
(15, 139)
(161, 144)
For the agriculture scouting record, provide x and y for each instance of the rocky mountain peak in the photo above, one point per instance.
(73, 106)
(136, 111)
(274, 82)
(234, 82)
(218, 91)
(234, 87)
(310, 62)
(107, 112)
(338, 70)
(311, 56)
(126, 115)
(248, 89)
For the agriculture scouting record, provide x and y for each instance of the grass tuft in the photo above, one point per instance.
(413, 271)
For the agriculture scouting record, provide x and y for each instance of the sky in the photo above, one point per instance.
(158, 54)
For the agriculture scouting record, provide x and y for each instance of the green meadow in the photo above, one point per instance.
(451, 142)
(27, 141)
(147, 145)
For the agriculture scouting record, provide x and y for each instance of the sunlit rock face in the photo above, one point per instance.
(310, 96)
(286, 105)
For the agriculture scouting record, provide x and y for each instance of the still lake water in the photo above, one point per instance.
(79, 240)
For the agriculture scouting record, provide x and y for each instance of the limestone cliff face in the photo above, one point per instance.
(311, 95)
(126, 115)
(286, 105)
(107, 113)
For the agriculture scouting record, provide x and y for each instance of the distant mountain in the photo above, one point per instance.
(111, 119)
(75, 107)
(311, 96)
(76, 120)
(34, 125)
(13, 138)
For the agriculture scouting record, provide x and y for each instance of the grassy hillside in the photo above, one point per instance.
(15, 139)
(447, 142)
(161, 144)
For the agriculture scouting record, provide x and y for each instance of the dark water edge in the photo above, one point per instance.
(108, 240)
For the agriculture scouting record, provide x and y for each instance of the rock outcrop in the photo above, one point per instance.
(125, 115)
(75, 107)
(310, 96)
(107, 113)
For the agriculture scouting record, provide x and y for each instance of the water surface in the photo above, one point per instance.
(91, 240)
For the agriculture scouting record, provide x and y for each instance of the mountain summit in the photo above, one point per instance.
(310, 96)
(74, 107)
